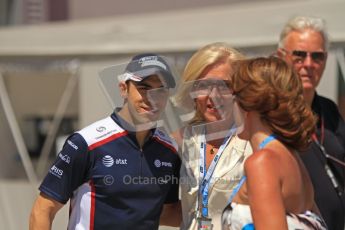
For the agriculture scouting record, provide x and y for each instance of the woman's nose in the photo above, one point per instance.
(215, 92)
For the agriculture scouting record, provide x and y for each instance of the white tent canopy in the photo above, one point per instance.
(252, 24)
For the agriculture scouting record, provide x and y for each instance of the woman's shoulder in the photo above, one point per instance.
(265, 160)
(265, 155)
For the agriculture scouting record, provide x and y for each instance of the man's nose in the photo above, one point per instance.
(308, 61)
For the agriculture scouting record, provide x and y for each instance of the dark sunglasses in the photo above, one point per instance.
(300, 55)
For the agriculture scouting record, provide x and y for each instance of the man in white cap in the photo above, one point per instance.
(119, 172)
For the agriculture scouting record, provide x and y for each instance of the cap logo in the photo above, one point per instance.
(129, 76)
(151, 60)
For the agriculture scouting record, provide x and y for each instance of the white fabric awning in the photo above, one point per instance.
(242, 25)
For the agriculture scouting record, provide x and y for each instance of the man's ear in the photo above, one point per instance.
(123, 90)
(281, 53)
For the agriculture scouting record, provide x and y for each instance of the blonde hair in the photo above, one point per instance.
(206, 57)
(270, 87)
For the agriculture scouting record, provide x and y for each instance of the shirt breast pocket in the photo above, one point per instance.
(226, 183)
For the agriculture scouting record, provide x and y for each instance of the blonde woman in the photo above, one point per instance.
(212, 157)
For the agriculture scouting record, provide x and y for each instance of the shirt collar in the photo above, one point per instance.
(125, 125)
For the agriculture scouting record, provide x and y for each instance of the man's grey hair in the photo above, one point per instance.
(300, 23)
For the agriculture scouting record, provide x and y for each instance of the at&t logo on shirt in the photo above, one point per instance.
(108, 161)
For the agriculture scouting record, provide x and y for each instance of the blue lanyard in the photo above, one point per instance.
(206, 177)
(238, 186)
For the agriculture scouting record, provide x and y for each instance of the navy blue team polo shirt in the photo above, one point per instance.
(110, 181)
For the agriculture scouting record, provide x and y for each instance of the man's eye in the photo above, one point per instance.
(297, 60)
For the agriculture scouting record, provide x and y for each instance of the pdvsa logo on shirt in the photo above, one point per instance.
(159, 164)
(108, 161)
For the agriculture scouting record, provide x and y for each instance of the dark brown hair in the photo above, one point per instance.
(271, 88)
